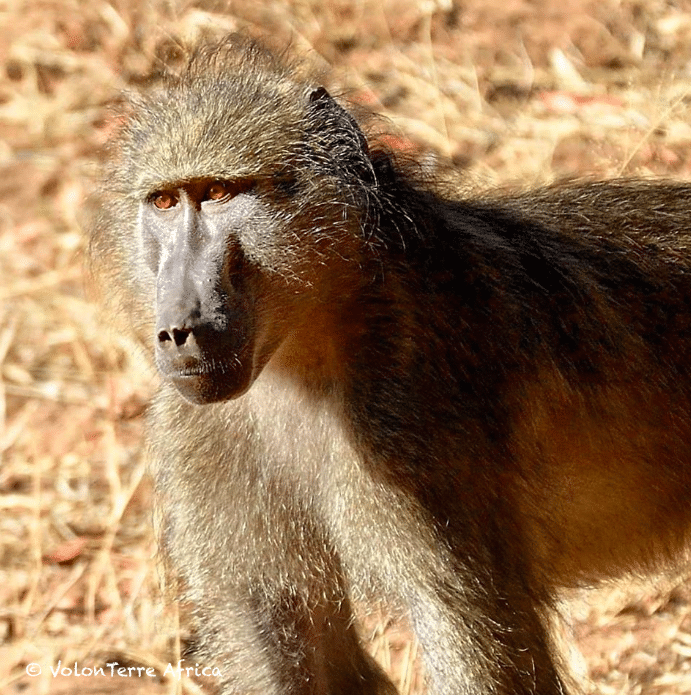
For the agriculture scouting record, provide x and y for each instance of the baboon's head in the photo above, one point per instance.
(251, 188)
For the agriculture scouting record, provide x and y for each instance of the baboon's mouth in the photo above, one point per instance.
(204, 382)
(202, 370)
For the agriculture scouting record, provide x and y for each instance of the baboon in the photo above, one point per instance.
(374, 386)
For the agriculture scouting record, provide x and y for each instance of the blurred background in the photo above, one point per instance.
(515, 92)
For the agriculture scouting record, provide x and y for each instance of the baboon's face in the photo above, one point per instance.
(232, 280)
(250, 194)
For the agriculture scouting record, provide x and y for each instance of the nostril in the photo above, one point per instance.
(177, 335)
(180, 336)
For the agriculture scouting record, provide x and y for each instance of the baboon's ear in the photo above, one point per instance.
(335, 118)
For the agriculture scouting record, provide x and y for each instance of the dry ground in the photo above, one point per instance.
(513, 90)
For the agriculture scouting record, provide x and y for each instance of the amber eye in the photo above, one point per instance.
(217, 190)
(164, 200)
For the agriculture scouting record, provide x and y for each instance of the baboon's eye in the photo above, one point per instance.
(222, 190)
(218, 190)
(164, 200)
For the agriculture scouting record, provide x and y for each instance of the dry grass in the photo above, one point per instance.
(511, 90)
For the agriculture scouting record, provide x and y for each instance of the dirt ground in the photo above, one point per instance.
(516, 92)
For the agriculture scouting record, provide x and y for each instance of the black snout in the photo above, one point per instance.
(207, 361)
(187, 344)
